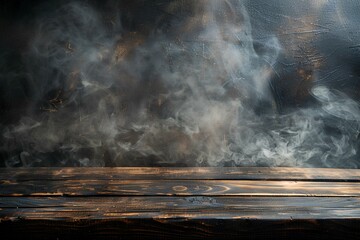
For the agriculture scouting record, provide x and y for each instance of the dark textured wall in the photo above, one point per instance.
(320, 45)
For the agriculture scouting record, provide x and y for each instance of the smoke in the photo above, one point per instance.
(193, 91)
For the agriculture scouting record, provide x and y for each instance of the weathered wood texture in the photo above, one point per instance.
(179, 188)
(180, 203)
(160, 173)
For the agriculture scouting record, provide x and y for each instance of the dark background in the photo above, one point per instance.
(321, 45)
(314, 39)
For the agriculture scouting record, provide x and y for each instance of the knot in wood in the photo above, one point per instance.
(179, 188)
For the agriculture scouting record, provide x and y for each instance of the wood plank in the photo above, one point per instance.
(179, 188)
(167, 208)
(229, 173)
(188, 203)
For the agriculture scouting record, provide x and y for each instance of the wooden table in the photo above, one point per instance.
(180, 203)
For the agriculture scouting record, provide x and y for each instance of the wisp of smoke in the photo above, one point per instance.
(106, 96)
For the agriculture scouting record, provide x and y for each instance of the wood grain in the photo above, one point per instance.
(166, 208)
(133, 173)
(180, 203)
(179, 188)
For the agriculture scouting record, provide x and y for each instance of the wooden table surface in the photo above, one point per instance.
(180, 203)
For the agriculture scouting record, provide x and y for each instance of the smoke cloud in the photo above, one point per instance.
(193, 91)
